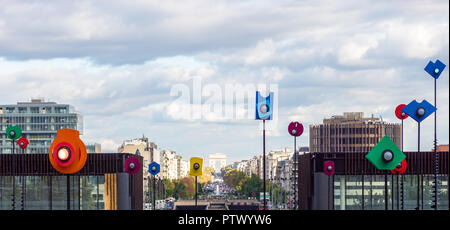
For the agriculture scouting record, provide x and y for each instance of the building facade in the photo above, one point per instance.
(358, 185)
(351, 132)
(169, 165)
(39, 121)
(142, 146)
(102, 184)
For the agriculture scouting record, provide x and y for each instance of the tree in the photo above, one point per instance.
(234, 178)
(179, 190)
(252, 186)
(169, 187)
(224, 170)
(206, 176)
(189, 184)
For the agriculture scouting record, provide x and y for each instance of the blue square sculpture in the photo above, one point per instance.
(435, 69)
(264, 107)
(419, 111)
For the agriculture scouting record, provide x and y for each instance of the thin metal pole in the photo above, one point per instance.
(295, 172)
(23, 181)
(417, 167)
(13, 177)
(264, 164)
(398, 193)
(402, 199)
(436, 156)
(195, 191)
(403, 192)
(154, 192)
(148, 192)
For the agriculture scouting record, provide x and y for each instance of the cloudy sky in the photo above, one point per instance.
(117, 62)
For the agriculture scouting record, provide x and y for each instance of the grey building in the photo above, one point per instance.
(39, 121)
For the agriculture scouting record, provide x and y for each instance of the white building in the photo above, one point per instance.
(142, 146)
(184, 168)
(217, 161)
(169, 165)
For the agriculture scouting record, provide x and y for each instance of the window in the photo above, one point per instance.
(34, 110)
(60, 110)
(10, 109)
(23, 109)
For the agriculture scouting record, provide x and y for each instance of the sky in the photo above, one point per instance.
(120, 63)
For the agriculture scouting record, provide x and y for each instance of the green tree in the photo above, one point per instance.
(179, 190)
(169, 188)
(252, 186)
(234, 178)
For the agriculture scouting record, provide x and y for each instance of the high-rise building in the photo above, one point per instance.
(141, 146)
(351, 132)
(39, 121)
(184, 168)
(169, 165)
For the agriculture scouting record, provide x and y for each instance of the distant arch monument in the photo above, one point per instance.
(217, 161)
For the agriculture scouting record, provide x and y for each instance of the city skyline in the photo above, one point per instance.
(116, 63)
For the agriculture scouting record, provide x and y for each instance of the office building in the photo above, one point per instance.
(169, 165)
(39, 121)
(351, 132)
(143, 147)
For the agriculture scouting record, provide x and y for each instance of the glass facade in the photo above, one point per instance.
(39, 122)
(357, 192)
(50, 192)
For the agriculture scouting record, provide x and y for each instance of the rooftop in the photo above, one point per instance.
(37, 102)
(351, 117)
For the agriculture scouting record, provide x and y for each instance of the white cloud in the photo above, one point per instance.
(354, 51)
(417, 40)
(262, 51)
(116, 62)
(108, 145)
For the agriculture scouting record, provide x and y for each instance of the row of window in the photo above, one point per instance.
(29, 150)
(45, 192)
(43, 127)
(348, 192)
(353, 130)
(40, 119)
(43, 110)
(338, 141)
